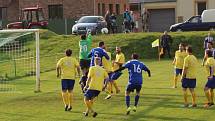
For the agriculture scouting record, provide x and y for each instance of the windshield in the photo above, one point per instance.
(88, 20)
(40, 15)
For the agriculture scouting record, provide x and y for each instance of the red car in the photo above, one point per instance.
(31, 18)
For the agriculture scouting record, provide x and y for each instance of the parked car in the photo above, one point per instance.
(92, 23)
(204, 22)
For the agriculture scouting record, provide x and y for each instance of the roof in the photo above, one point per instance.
(150, 1)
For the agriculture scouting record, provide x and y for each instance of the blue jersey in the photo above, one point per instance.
(135, 68)
(97, 52)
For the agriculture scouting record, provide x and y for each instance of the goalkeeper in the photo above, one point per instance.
(85, 46)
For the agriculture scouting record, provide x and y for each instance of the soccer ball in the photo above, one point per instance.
(104, 31)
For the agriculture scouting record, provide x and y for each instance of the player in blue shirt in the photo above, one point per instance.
(135, 69)
(98, 52)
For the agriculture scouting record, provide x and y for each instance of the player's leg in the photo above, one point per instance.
(109, 87)
(192, 86)
(212, 97)
(71, 84)
(138, 89)
(193, 95)
(87, 100)
(65, 94)
(129, 89)
(116, 86)
(185, 86)
(108, 90)
(185, 97)
(168, 51)
(208, 97)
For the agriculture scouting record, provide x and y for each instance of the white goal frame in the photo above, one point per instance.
(37, 38)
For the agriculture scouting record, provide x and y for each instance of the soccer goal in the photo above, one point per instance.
(19, 58)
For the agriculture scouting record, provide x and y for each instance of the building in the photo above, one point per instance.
(59, 9)
(164, 13)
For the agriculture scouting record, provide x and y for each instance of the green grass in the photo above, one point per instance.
(157, 103)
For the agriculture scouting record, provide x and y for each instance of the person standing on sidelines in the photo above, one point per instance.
(209, 38)
(85, 45)
(209, 47)
(66, 69)
(210, 85)
(189, 74)
(166, 40)
(135, 68)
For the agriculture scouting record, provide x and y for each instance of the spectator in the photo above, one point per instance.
(127, 21)
(145, 20)
(132, 21)
(113, 23)
(209, 38)
(166, 40)
(107, 19)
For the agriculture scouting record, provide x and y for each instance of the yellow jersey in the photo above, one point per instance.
(68, 66)
(97, 75)
(179, 59)
(210, 63)
(190, 62)
(120, 58)
(107, 63)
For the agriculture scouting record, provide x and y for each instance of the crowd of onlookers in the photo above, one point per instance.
(129, 21)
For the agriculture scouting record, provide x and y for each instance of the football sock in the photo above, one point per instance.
(127, 99)
(185, 97)
(115, 85)
(136, 100)
(212, 95)
(70, 99)
(193, 98)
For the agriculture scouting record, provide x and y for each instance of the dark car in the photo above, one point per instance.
(193, 24)
(92, 23)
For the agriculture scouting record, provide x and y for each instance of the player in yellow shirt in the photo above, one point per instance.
(108, 67)
(178, 63)
(119, 61)
(189, 73)
(95, 84)
(66, 70)
(210, 47)
(210, 85)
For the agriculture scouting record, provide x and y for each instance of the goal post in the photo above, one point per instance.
(37, 46)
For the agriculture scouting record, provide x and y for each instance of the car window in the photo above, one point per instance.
(194, 20)
(88, 20)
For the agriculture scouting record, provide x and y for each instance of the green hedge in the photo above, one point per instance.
(141, 42)
(134, 42)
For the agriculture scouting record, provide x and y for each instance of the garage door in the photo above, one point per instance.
(161, 19)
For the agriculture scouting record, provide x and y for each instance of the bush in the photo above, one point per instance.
(130, 43)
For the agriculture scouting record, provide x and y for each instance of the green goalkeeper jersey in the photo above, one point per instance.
(85, 46)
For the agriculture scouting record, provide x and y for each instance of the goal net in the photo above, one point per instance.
(19, 58)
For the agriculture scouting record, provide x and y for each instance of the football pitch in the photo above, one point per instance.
(158, 102)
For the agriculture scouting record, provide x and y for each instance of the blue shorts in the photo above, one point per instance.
(211, 83)
(91, 94)
(67, 84)
(188, 83)
(132, 87)
(178, 71)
